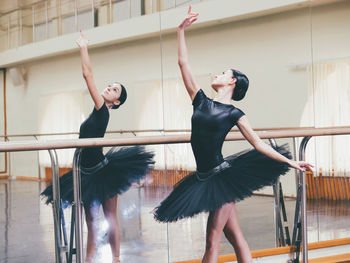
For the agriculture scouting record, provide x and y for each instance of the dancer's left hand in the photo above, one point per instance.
(82, 41)
(189, 20)
(301, 165)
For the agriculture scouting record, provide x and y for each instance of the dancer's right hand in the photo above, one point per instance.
(301, 165)
(82, 41)
(191, 17)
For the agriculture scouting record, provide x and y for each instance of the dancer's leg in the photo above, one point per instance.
(235, 236)
(110, 211)
(91, 214)
(216, 223)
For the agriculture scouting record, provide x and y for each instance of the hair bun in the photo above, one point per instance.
(242, 85)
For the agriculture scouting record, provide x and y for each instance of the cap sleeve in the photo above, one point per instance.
(236, 114)
(199, 98)
(101, 117)
(102, 111)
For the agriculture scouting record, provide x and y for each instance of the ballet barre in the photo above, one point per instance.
(163, 139)
(7, 136)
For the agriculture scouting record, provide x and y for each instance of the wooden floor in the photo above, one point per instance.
(343, 258)
(26, 226)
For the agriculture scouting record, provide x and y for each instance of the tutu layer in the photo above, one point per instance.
(120, 169)
(232, 181)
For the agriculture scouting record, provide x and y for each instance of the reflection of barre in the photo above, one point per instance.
(56, 206)
(77, 133)
(78, 207)
(162, 139)
(133, 132)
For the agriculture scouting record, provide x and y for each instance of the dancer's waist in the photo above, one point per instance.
(206, 162)
(95, 168)
(203, 176)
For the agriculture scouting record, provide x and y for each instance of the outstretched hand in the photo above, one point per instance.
(301, 165)
(82, 41)
(191, 17)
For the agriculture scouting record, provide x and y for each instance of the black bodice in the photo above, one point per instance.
(94, 127)
(211, 121)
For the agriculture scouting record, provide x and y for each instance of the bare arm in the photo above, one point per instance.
(87, 72)
(266, 149)
(185, 68)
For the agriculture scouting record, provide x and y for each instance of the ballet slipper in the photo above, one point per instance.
(116, 260)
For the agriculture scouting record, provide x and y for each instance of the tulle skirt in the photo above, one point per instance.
(233, 180)
(108, 178)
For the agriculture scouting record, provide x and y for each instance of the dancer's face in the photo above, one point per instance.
(112, 93)
(222, 80)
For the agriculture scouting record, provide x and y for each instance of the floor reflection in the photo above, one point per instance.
(26, 226)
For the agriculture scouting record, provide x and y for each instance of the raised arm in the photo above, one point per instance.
(87, 71)
(185, 68)
(266, 149)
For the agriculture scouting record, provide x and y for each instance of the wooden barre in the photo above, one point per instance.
(76, 133)
(162, 139)
(136, 131)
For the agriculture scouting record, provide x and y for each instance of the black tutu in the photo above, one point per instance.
(234, 180)
(111, 177)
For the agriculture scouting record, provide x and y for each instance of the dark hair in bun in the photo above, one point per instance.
(122, 98)
(242, 85)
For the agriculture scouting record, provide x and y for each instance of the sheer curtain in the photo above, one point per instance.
(328, 105)
(177, 115)
(60, 112)
(176, 106)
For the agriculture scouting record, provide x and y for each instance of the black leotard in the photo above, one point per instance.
(93, 127)
(103, 176)
(211, 121)
(218, 181)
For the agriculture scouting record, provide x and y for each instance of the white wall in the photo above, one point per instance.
(330, 38)
(264, 48)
